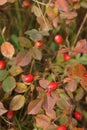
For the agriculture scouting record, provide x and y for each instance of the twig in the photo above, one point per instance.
(6, 120)
(40, 2)
(79, 31)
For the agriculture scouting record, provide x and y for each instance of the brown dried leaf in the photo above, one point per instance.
(36, 11)
(72, 85)
(62, 5)
(43, 121)
(35, 106)
(78, 71)
(81, 47)
(15, 70)
(3, 110)
(7, 50)
(51, 113)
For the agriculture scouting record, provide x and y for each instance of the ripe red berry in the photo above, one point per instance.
(85, 75)
(10, 114)
(58, 39)
(38, 44)
(78, 115)
(52, 86)
(28, 78)
(66, 56)
(2, 64)
(62, 127)
(26, 3)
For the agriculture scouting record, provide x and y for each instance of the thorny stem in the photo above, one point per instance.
(79, 31)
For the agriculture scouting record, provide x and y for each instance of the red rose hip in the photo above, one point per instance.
(58, 39)
(28, 78)
(78, 115)
(2, 64)
(66, 56)
(62, 127)
(10, 114)
(26, 3)
(52, 86)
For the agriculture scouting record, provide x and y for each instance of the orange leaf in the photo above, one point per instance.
(7, 50)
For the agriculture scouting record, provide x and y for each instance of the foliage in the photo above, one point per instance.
(36, 106)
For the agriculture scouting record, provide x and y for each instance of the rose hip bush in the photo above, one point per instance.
(43, 64)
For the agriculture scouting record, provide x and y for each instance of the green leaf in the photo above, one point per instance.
(34, 35)
(24, 42)
(14, 40)
(3, 74)
(63, 119)
(9, 84)
(36, 53)
(15, 70)
(54, 46)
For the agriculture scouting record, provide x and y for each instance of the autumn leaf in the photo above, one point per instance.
(35, 106)
(62, 5)
(42, 121)
(17, 102)
(2, 2)
(7, 50)
(81, 47)
(3, 110)
(78, 73)
(43, 83)
(23, 58)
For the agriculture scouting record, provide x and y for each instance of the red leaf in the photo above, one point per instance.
(51, 113)
(35, 106)
(43, 83)
(62, 5)
(23, 58)
(72, 85)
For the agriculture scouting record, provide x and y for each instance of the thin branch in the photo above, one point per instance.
(79, 31)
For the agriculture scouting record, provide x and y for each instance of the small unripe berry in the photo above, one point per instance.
(2, 64)
(62, 127)
(27, 78)
(78, 115)
(52, 86)
(58, 39)
(10, 114)
(66, 56)
(38, 44)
